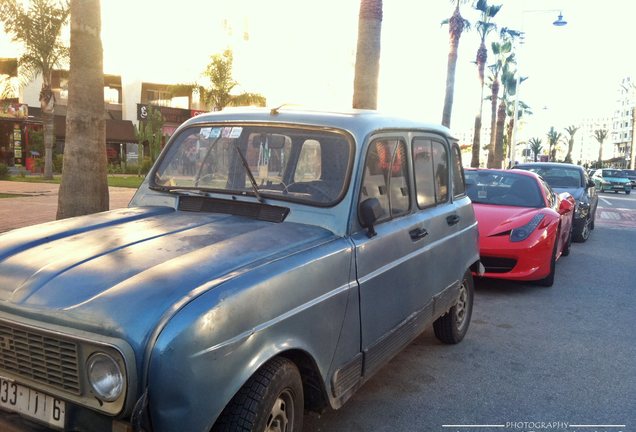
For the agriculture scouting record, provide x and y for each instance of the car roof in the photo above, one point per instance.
(506, 171)
(549, 165)
(359, 122)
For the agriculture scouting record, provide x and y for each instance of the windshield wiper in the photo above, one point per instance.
(249, 174)
(181, 191)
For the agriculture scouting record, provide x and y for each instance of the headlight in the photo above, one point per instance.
(582, 209)
(523, 232)
(105, 376)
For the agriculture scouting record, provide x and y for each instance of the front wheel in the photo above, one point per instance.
(548, 281)
(627, 192)
(452, 327)
(270, 401)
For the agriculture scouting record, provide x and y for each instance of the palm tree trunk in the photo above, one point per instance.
(367, 70)
(47, 104)
(482, 58)
(511, 125)
(455, 29)
(493, 123)
(84, 187)
(501, 120)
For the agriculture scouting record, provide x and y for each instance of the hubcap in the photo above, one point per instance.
(282, 415)
(461, 306)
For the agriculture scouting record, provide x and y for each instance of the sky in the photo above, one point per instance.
(303, 52)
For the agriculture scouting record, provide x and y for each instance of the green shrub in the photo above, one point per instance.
(58, 162)
(4, 172)
(146, 165)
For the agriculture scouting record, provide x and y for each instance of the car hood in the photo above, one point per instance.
(125, 269)
(498, 219)
(577, 193)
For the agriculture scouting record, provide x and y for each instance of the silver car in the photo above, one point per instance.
(271, 262)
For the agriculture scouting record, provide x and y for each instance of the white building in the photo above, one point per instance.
(623, 123)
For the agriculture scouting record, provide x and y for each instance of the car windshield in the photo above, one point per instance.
(558, 177)
(294, 164)
(503, 188)
(613, 173)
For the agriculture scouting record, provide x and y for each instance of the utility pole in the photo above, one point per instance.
(632, 153)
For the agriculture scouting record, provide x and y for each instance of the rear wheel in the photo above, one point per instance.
(581, 236)
(452, 327)
(627, 192)
(270, 401)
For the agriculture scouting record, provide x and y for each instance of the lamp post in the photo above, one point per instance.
(559, 22)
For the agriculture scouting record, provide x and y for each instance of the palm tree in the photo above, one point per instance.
(218, 95)
(509, 83)
(522, 108)
(365, 82)
(84, 187)
(571, 130)
(535, 146)
(504, 56)
(37, 25)
(456, 26)
(484, 27)
(553, 139)
(600, 135)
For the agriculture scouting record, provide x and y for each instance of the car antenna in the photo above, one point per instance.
(276, 111)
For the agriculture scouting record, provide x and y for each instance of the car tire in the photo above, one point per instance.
(271, 400)
(581, 236)
(548, 281)
(451, 327)
(627, 192)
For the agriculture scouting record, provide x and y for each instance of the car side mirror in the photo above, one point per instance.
(370, 211)
(590, 183)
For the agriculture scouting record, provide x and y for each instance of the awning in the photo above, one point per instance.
(121, 131)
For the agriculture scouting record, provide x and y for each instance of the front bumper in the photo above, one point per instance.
(524, 261)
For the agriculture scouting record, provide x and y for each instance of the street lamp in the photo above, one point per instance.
(559, 22)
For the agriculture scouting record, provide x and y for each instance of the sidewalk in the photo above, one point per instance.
(40, 204)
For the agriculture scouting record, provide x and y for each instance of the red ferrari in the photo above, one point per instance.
(524, 226)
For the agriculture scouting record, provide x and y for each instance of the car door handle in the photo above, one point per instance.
(418, 233)
(452, 219)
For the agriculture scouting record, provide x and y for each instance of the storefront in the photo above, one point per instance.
(14, 133)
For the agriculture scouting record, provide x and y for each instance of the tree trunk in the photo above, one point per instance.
(474, 161)
(84, 187)
(455, 29)
(482, 58)
(367, 70)
(49, 142)
(501, 121)
(47, 104)
(493, 123)
(511, 125)
(600, 154)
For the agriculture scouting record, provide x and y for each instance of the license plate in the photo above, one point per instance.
(31, 403)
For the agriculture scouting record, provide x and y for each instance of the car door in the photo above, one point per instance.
(398, 271)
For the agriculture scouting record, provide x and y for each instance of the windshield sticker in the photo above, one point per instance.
(225, 132)
(236, 132)
(481, 194)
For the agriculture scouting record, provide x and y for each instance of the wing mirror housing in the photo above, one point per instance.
(590, 183)
(370, 211)
(567, 203)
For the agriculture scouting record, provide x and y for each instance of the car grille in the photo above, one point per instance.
(498, 265)
(39, 357)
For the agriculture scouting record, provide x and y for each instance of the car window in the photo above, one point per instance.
(292, 164)
(386, 176)
(430, 161)
(503, 188)
(459, 185)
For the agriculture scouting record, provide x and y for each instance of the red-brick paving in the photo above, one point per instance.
(41, 203)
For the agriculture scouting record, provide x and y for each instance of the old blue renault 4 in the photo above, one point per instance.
(271, 262)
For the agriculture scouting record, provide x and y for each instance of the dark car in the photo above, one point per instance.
(631, 175)
(563, 177)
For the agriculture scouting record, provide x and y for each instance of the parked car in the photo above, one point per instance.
(610, 179)
(524, 226)
(631, 175)
(271, 262)
(573, 179)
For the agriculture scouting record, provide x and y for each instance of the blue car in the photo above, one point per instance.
(270, 263)
(612, 180)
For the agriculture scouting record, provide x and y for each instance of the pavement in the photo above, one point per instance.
(36, 203)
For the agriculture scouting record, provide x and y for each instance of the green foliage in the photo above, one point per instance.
(150, 131)
(37, 24)
(218, 95)
(36, 141)
(4, 172)
(58, 163)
